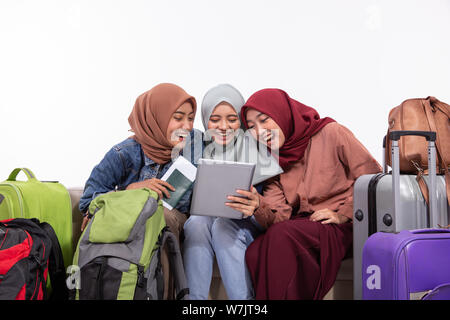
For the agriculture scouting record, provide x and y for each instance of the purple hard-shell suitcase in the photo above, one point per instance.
(409, 265)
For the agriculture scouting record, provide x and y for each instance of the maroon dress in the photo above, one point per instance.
(297, 259)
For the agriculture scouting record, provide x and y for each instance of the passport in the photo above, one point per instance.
(181, 184)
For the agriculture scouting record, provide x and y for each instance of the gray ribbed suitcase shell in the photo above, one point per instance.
(373, 211)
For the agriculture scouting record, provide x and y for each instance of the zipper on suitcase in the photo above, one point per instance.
(372, 202)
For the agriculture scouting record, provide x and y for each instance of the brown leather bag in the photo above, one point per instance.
(427, 114)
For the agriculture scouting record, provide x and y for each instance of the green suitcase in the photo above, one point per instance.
(47, 201)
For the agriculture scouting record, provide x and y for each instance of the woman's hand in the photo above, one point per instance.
(328, 216)
(85, 222)
(157, 185)
(247, 205)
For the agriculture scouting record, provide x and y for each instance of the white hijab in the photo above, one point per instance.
(243, 148)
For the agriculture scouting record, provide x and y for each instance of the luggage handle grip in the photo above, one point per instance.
(434, 230)
(429, 135)
(15, 172)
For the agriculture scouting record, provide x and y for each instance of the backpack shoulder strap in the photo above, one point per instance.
(176, 264)
(56, 266)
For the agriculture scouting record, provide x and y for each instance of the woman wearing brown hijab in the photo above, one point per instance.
(162, 121)
(306, 210)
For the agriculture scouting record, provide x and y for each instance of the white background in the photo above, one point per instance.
(70, 71)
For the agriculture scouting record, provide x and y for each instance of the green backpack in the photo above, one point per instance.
(119, 252)
(47, 201)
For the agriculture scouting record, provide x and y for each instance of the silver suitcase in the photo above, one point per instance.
(392, 202)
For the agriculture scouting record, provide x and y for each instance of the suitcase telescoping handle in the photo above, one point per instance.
(430, 136)
(385, 167)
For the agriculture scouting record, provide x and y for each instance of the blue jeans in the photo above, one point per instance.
(227, 239)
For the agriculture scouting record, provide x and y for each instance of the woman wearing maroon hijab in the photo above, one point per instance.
(307, 210)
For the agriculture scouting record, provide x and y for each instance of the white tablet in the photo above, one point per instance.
(215, 180)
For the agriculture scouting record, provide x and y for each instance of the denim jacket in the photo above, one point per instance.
(126, 163)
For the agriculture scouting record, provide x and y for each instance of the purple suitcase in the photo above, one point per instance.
(409, 265)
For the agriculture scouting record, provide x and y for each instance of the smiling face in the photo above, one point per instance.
(180, 125)
(265, 129)
(223, 123)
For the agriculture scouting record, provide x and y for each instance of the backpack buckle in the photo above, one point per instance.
(140, 279)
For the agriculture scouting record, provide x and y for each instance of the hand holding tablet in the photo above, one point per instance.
(247, 204)
(215, 181)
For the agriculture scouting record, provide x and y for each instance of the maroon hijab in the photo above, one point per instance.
(297, 121)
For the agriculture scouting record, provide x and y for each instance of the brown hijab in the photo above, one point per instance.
(150, 118)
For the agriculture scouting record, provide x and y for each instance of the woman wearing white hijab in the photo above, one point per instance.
(226, 239)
